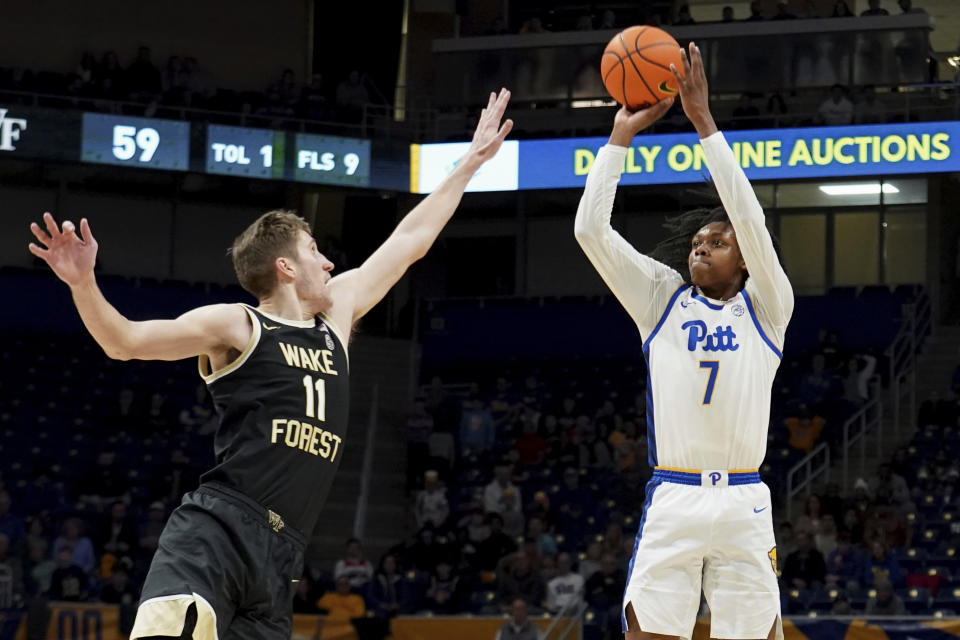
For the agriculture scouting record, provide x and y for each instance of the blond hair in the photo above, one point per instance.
(255, 251)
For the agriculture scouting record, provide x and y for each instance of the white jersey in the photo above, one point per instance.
(711, 364)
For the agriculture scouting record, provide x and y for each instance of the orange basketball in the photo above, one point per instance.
(636, 66)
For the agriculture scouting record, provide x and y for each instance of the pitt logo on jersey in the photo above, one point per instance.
(722, 338)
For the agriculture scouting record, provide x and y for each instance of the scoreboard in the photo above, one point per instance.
(174, 145)
(135, 142)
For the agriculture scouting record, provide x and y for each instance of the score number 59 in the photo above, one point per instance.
(127, 141)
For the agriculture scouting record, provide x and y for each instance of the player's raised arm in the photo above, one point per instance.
(365, 286)
(739, 200)
(204, 330)
(641, 284)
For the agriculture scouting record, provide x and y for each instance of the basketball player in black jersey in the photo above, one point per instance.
(230, 554)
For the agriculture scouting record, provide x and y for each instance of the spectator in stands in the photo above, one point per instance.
(906, 7)
(477, 431)
(727, 14)
(198, 412)
(683, 16)
(431, 503)
(756, 11)
(881, 566)
(820, 386)
(444, 594)
(352, 96)
(874, 9)
(592, 560)
(836, 110)
(804, 428)
(841, 605)
(143, 79)
(442, 451)
(783, 11)
(313, 104)
(519, 626)
(841, 10)
(856, 385)
(531, 447)
(825, 540)
(149, 534)
(159, 416)
(117, 535)
(85, 74)
(745, 114)
(594, 450)
(39, 568)
(10, 563)
(571, 492)
(584, 22)
(886, 602)
(118, 589)
(777, 112)
(171, 80)
(109, 80)
(846, 564)
(386, 592)
(519, 580)
(812, 517)
(565, 590)
(887, 487)
(11, 525)
(104, 483)
(68, 582)
(72, 539)
(514, 524)
(342, 605)
(604, 589)
(501, 491)
(805, 567)
(608, 20)
(786, 540)
(304, 600)
(537, 532)
(353, 566)
(533, 25)
(495, 546)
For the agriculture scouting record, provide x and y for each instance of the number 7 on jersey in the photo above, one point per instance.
(714, 366)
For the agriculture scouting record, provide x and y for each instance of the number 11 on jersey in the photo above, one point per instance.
(321, 398)
(714, 367)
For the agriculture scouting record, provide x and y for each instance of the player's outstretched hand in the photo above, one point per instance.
(71, 256)
(627, 124)
(694, 96)
(490, 133)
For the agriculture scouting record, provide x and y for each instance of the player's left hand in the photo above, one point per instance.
(694, 95)
(490, 133)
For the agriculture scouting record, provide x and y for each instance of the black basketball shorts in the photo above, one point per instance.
(231, 558)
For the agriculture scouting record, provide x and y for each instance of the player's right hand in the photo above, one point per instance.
(627, 123)
(71, 256)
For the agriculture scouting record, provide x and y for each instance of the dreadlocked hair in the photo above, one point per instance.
(674, 250)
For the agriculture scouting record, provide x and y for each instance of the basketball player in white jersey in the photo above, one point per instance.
(712, 327)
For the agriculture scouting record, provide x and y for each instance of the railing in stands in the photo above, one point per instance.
(801, 476)
(377, 120)
(902, 395)
(902, 356)
(867, 419)
(566, 622)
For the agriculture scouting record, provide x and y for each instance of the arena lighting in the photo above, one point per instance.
(857, 189)
(954, 61)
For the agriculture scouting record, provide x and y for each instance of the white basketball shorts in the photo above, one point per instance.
(710, 531)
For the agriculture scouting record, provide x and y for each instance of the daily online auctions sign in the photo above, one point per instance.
(768, 154)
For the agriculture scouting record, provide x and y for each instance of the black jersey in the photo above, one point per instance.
(283, 407)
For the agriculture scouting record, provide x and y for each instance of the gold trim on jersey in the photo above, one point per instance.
(166, 616)
(203, 362)
(303, 324)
